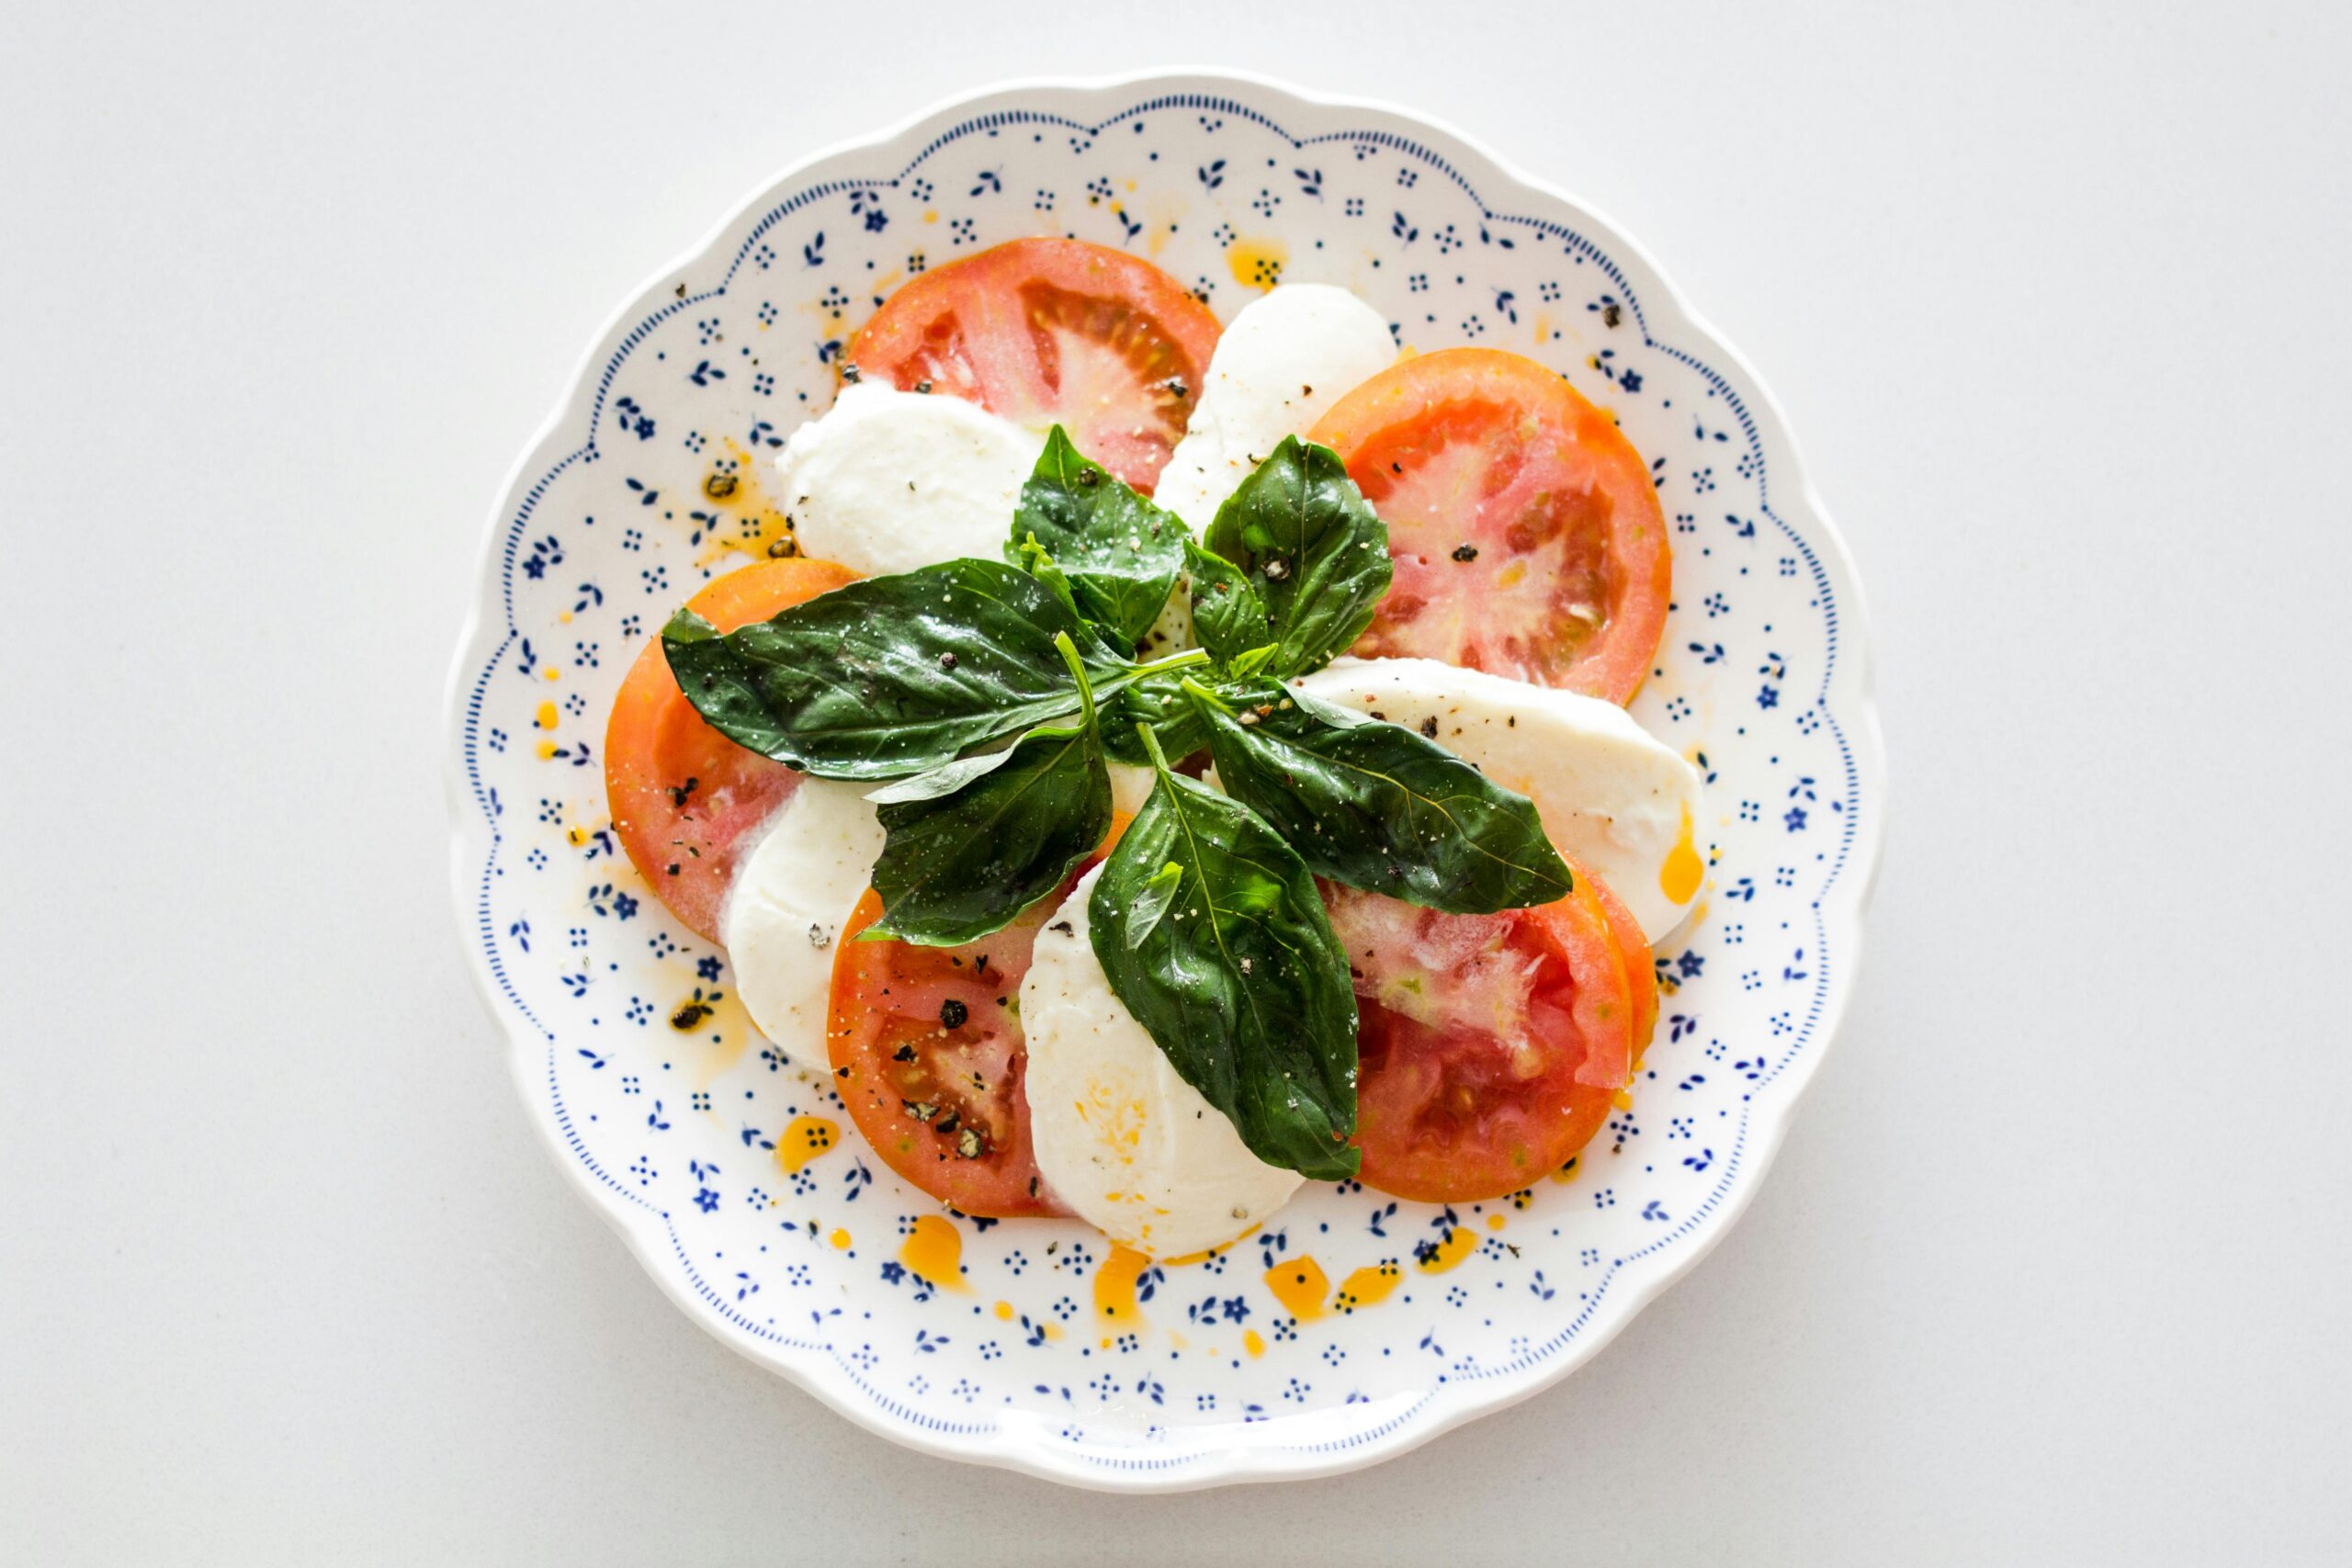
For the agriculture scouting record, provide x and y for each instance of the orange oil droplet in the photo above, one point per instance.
(803, 1139)
(1114, 1288)
(1679, 877)
(1368, 1286)
(1299, 1284)
(1459, 1243)
(934, 1251)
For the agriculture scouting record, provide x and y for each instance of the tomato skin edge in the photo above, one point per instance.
(1427, 388)
(655, 739)
(966, 328)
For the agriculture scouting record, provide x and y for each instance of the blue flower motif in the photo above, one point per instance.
(624, 906)
(707, 1200)
(1795, 819)
(1769, 698)
(707, 968)
(1631, 381)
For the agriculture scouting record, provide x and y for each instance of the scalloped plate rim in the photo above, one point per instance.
(1847, 893)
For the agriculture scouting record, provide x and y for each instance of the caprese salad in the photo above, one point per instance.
(1162, 765)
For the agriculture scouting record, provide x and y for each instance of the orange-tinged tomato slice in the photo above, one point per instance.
(928, 1057)
(1527, 535)
(1490, 1046)
(684, 797)
(1051, 331)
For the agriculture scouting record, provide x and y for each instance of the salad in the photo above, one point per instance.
(1160, 764)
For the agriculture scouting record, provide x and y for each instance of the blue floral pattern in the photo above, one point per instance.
(1031, 1342)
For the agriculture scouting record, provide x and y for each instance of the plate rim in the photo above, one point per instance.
(1846, 897)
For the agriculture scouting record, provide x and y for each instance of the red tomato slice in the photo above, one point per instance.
(1048, 332)
(683, 797)
(1525, 529)
(928, 1056)
(1490, 1045)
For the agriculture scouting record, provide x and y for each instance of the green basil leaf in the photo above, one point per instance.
(945, 779)
(1241, 665)
(1122, 554)
(1312, 547)
(962, 863)
(1227, 615)
(891, 675)
(1151, 902)
(1235, 973)
(1039, 563)
(1376, 806)
(1157, 700)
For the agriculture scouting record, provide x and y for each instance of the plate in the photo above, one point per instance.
(1353, 1326)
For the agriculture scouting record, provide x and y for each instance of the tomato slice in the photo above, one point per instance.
(1526, 532)
(1048, 332)
(1490, 1046)
(683, 797)
(1633, 947)
(928, 1056)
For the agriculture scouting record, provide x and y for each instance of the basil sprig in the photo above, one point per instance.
(963, 862)
(891, 675)
(1119, 552)
(1212, 933)
(1294, 563)
(1374, 805)
(994, 694)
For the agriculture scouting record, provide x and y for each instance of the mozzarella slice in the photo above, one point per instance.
(1130, 787)
(1286, 359)
(1122, 1139)
(887, 481)
(1622, 803)
(784, 915)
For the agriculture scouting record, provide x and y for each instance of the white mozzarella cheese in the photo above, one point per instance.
(1287, 357)
(887, 481)
(784, 915)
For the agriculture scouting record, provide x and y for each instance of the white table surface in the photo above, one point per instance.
(2054, 1266)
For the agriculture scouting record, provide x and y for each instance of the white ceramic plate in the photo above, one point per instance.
(1354, 1327)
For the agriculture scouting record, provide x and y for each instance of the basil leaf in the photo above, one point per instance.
(1236, 973)
(1151, 902)
(1039, 563)
(1311, 547)
(1121, 552)
(890, 675)
(945, 779)
(1375, 805)
(959, 864)
(1157, 700)
(1227, 615)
